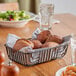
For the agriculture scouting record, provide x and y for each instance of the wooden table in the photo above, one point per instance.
(66, 26)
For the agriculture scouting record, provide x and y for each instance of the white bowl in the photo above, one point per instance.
(17, 24)
(59, 72)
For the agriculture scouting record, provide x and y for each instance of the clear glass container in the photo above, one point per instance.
(73, 46)
(46, 14)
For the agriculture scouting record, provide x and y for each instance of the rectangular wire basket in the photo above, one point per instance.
(39, 55)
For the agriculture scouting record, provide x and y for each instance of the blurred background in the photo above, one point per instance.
(61, 6)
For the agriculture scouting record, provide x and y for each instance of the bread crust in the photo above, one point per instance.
(55, 38)
(42, 37)
(37, 44)
(20, 43)
(49, 44)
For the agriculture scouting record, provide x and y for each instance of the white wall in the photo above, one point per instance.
(65, 6)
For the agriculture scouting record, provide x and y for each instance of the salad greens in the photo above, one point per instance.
(14, 15)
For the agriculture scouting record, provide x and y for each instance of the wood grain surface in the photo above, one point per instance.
(66, 26)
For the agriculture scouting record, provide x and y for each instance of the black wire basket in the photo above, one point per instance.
(39, 55)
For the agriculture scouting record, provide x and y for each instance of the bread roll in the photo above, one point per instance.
(55, 38)
(49, 44)
(42, 37)
(20, 43)
(37, 44)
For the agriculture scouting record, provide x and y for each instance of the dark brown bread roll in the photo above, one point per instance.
(42, 37)
(37, 44)
(49, 44)
(55, 38)
(20, 43)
